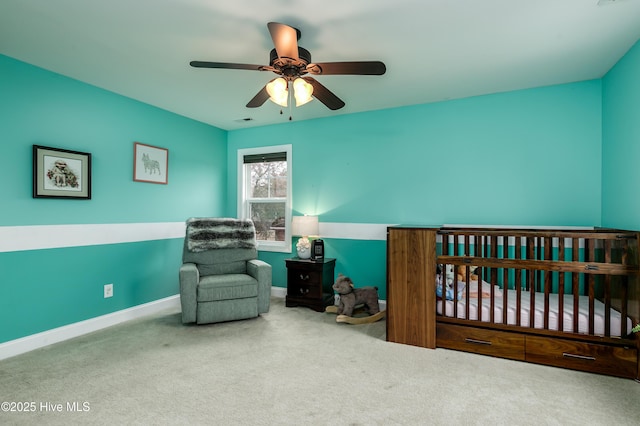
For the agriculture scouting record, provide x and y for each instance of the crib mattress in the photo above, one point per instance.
(525, 315)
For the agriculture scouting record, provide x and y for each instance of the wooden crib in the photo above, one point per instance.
(566, 298)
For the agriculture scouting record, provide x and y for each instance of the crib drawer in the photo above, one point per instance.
(591, 357)
(478, 340)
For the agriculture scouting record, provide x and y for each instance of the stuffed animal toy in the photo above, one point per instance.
(350, 297)
(473, 273)
(461, 273)
(355, 300)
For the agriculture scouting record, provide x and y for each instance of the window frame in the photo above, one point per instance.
(243, 201)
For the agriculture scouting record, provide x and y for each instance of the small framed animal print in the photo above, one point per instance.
(150, 163)
(61, 173)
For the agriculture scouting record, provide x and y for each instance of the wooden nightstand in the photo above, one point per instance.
(309, 283)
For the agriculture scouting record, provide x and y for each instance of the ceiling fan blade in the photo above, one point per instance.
(259, 99)
(324, 95)
(285, 40)
(353, 68)
(201, 64)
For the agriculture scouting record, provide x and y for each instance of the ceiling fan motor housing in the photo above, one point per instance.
(291, 67)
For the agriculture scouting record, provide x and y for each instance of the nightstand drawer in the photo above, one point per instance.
(302, 289)
(301, 277)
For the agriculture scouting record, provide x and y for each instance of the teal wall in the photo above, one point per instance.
(621, 143)
(43, 108)
(45, 289)
(526, 157)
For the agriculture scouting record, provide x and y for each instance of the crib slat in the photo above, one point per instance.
(591, 281)
(607, 306)
(575, 278)
(466, 245)
(623, 311)
(443, 300)
(467, 287)
(518, 283)
(493, 241)
(548, 245)
(505, 288)
(531, 280)
(608, 246)
(467, 291)
(466, 267)
(590, 256)
(455, 300)
(492, 302)
(561, 249)
(453, 250)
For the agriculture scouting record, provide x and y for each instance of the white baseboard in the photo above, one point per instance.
(279, 292)
(49, 337)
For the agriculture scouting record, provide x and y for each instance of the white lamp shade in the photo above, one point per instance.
(278, 91)
(302, 91)
(304, 226)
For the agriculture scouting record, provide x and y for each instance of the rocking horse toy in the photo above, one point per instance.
(355, 301)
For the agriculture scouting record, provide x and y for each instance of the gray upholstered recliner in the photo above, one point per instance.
(221, 278)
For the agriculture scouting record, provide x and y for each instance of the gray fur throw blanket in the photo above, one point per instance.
(220, 233)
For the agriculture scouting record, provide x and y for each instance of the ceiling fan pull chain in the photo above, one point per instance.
(290, 91)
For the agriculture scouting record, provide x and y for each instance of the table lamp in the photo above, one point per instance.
(304, 226)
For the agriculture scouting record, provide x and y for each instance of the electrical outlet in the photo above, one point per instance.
(108, 290)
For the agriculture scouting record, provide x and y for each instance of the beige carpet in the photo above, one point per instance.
(293, 366)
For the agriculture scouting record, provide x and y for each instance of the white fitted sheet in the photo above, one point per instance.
(583, 312)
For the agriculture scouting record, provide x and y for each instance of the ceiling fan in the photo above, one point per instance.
(292, 63)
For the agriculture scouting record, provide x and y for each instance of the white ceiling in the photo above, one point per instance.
(434, 50)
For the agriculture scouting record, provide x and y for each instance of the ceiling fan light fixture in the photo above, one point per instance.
(278, 91)
(302, 91)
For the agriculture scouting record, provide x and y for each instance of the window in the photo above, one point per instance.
(264, 194)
